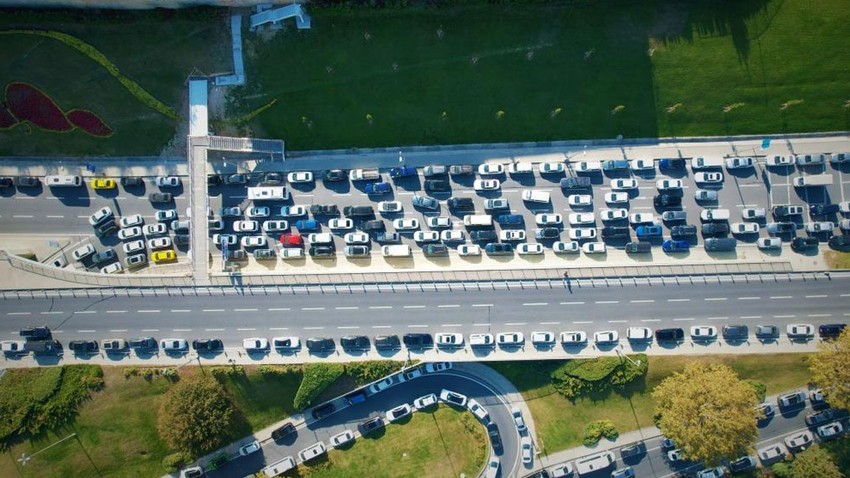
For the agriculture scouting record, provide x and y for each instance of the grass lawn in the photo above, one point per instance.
(441, 443)
(406, 67)
(560, 423)
(838, 260)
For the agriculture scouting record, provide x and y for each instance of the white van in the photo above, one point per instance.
(63, 181)
(706, 163)
(534, 195)
(520, 168)
(715, 215)
(481, 340)
(320, 238)
(398, 250)
(594, 463)
(279, 467)
(478, 220)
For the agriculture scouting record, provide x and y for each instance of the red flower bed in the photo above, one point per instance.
(89, 122)
(6, 118)
(28, 103)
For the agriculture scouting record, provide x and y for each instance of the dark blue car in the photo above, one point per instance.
(307, 225)
(675, 246)
(649, 231)
(510, 219)
(377, 188)
(672, 163)
(402, 172)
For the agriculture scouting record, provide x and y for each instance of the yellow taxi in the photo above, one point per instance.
(103, 183)
(167, 255)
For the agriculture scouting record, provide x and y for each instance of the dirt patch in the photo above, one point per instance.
(837, 260)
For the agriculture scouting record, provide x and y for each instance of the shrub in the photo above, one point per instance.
(231, 371)
(593, 431)
(317, 377)
(759, 387)
(278, 370)
(588, 376)
(175, 461)
(195, 415)
(131, 372)
(367, 372)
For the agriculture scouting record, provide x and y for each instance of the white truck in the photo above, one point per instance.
(364, 174)
(813, 180)
(268, 193)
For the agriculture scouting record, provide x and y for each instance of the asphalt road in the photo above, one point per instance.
(377, 405)
(232, 318)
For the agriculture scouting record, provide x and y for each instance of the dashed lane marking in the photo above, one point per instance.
(482, 305)
(147, 311)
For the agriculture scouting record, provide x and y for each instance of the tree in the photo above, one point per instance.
(708, 411)
(195, 415)
(814, 463)
(830, 371)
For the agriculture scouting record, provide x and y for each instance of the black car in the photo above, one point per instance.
(435, 250)
(103, 257)
(324, 210)
(207, 345)
(336, 175)
(387, 342)
(495, 438)
(831, 331)
(322, 251)
(236, 179)
(667, 200)
(781, 227)
(355, 342)
(461, 204)
(715, 229)
(287, 429)
(461, 170)
(499, 249)
(820, 209)
(182, 239)
(483, 235)
(372, 425)
(613, 232)
(83, 346)
(632, 451)
(43, 347)
(159, 198)
(687, 230)
(547, 233)
(213, 179)
(437, 185)
(745, 463)
(353, 211)
(580, 182)
(105, 228)
(320, 344)
(264, 254)
(767, 331)
(237, 255)
(801, 244)
(373, 225)
(669, 335)
(736, 332)
(28, 181)
(323, 411)
(35, 333)
(839, 242)
(418, 341)
(638, 247)
(142, 343)
(273, 179)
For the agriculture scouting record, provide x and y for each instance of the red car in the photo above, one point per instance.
(291, 239)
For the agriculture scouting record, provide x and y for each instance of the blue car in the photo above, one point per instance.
(402, 172)
(377, 188)
(672, 163)
(675, 246)
(307, 225)
(649, 231)
(510, 219)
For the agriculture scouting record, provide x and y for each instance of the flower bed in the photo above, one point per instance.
(89, 122)
(28, 103)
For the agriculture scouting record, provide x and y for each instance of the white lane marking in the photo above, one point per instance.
(535, 303)
(52, 312)
(278, 309)
(86, 331)
(617, 321)
(481, 325)
(448, 306)
(749, 298)
(278, 328)
(381, 326)
(147, 311)
(414, 307)
(346, 308)
(572, 303)
(845, 295)
(819, 315)
(714, 298)
(23, 216)
(118, 330)
(718, 318)
(583, 322)
(516, 323)
(312, 308)
(780, 297)
(607, 302)
(55, 217)
(822, 296)
(642, 301)
(150, 330)
(549, 323)
(213, 330)
(348, 327)
(246, 329)
(212, 310)
(18, 313)
(244, 310)
(451, 325)
(784, 316)
(651, 320)
(380, 307)
(482, 305)
(341, 194)
(417, 326)
(181, 310)
(678, 300)
(181, 330)
(116, 311)
(750, 316)
(684, 319)
(313, 328)
(82, 217)
(85, 312)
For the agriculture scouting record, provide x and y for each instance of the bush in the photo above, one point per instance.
(175, 461)
(588, 376)
(591, 370)
(317, 377)
(278, 370)
(759, 387)
(196, 416)
(593, 431)
(231, 371)
(367, 372)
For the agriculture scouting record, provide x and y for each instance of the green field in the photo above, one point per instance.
(560, 423)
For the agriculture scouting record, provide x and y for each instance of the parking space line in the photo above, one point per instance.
(83, 312)
(417, 326)
(86, 331)
(277, 309)
(550, 323)
(348, 327)
(116, 311)
(18, 313)
(147, 311)
(381, 326)
(23, 216)
(845, 295)
(181, 310)
(181, 330)
(583, 322)
(54, 217)
(617, 321)
(52, 312)
(482, 305)
(651, 320)
(684, 319)
(118, 330)
(451, 325)
(213, 330)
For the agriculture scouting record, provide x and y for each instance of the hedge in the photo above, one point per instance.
(367, 372)
(593, 431)
(317, 377)
(587, 376)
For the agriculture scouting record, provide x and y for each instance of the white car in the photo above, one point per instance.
(529, 248)
(588, 166)
(520, 168)
(253, 241)
(616, 198)
(155, 229)
(399, 412)
(255, 344)
(719, 214)
(739, 163)
(579, 233)
(300, 177)
(830, 430)
(844, 225)
(606, 337)
(426, 236)
(245, 226)
(486, 184)
(257, 211)
(799, 441)
(815, 227)
(159, 243)
(519, 422)
(13, 347)
(113, 268)
(594, 248)
(542, 338)
(469, 250)
(134, 246)
(390, 206)
(807, 159)
(512, 235)
(800, 331)
(83, 252)
(166, 215)
(668, 184)
(477, 410)
(453, 398)
(527, 449)
(638, 334)
(342, 439)
(167, 181)
(562, 247)
(580, 200)
(481, 340)
(548, 219)
(451, 235)
(705, 195)
(575, 337)
(275, 226)
(510, 338)
(491, 169)
(642, 164)
(624, 184)
(708, 177)
(703, 332)
(772, 452)
(613, 214)
(320, 238)
(751, 213)
(312, 452)
(449, 340)
(425, 401)
(641, 218)
(343, 224)
(293, 211)
(844, 207)
(581, 218)
(432, 367)
(768, 243)
(779, 161)
(252, 447)
(439, 222)
(744, 228)
(551, 167)
(356, 238)
(130, 221)
(129, 233)
(382, 385)
(406, 224)
(286, 343)
(492, 467)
